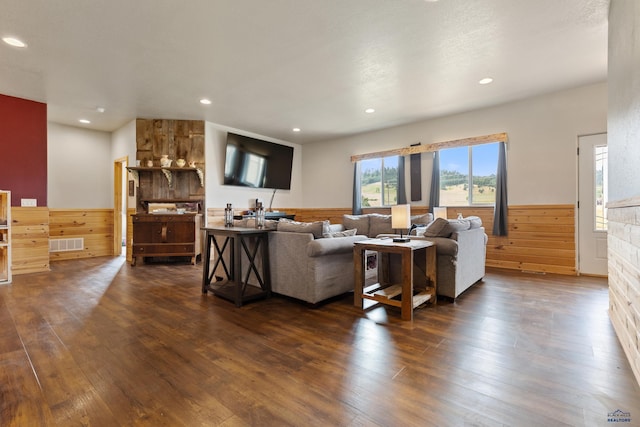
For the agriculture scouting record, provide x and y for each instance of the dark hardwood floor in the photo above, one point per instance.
(98, 342)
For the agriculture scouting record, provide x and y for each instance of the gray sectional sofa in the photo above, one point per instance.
(313, 261)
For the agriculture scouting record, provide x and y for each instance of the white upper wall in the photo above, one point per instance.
(123, 143)
(79, 175)
(541, 156)
(218, 195)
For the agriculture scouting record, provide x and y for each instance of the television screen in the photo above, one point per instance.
(251, 162)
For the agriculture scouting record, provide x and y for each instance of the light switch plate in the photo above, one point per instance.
(28, 202)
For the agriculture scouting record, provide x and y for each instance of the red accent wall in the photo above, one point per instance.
(23, 149)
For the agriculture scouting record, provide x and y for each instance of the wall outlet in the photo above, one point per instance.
(28, 202)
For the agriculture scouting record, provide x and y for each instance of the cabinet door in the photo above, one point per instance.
(181, 232)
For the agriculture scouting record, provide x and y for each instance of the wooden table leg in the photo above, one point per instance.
(207, 263)
(358, 272)
(432, 273)
(407, 285)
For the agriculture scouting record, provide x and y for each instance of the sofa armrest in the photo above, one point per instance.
(473, 234)
(334, 245)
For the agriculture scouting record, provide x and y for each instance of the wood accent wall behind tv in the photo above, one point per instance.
(179, 139)
(23, 148)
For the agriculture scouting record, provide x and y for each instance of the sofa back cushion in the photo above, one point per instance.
(317, 228)
(379, 224)
(456, 225)
(359, 222)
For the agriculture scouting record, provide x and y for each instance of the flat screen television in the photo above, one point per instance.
(252, 162)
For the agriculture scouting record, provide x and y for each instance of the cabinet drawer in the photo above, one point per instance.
(164, 249)
(163, 218)
(154, 232)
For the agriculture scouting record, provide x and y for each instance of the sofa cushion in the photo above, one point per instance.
(475, 221)
(379, 224)
(359, 222)
(317, 228)
(444, 245)
(338, 245)
(423, 219)
(456, 225)
(438, 228)
(343, 233)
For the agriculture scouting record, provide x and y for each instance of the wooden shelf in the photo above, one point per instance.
(387, 294)
(167, 171)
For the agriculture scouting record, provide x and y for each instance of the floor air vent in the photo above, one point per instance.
(66, 245)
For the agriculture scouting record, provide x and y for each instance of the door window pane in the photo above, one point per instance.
(601, 185)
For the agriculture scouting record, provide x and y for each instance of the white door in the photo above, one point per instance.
(592, 199)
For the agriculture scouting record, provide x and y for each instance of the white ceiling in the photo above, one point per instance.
(271, 65)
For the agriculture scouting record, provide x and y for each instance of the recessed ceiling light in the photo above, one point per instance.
(84, 121)
(486, 81)
(369, 110)
(100, 109)
(296, 129)
(12, 41)
(205, 101)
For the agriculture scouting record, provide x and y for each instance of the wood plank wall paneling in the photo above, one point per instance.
(179, 139)
(624, 277)
(94, 225)
(30, 240)
(541, 237)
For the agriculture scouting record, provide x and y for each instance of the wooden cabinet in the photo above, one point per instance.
(169, 195)
(5, 237)
(167, 235)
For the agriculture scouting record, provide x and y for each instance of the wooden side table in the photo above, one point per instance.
(415, 252)
(235, 287)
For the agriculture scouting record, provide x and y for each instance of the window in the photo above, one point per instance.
(379, 181)
(468, 175)
(601, 185)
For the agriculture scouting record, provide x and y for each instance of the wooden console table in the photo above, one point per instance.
(235, 286)
(415, 252)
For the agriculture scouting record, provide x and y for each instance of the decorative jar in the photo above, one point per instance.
(259, 215)
(165, 161)
(228, 216)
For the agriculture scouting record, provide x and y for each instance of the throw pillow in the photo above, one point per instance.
(344, 233)
(438, 228)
